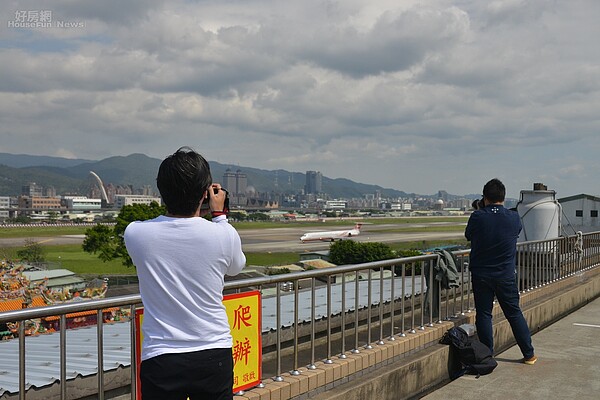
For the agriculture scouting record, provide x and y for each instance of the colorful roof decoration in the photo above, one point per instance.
(18, 291)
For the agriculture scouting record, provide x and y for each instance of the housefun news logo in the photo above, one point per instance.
(40, 19)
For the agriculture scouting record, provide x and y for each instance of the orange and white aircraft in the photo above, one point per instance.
(332, 235)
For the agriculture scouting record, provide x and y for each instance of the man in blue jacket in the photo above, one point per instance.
(493, 231)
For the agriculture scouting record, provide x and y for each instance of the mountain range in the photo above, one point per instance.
(138, 170)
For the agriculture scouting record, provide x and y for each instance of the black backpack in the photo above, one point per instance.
(475, 358)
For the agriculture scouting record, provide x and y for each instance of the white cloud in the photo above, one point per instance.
(453, 91)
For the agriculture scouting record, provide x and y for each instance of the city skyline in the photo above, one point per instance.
(231, 176)
(419, 95)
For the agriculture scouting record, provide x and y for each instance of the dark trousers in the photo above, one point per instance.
(205, 374)
(505, 290)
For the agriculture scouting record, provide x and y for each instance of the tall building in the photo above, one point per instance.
(4, 207)
(236, 184)
(313, 182)
(32, 189)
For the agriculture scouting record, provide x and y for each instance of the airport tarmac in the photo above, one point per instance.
(287, 238)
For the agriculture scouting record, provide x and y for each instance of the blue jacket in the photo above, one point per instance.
(493, 233)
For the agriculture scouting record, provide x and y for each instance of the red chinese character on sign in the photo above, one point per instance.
(241, 316)
(241, 350)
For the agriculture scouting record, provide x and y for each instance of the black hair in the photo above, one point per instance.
(182, 179)
(494, 191)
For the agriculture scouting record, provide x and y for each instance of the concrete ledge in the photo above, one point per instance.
(413, 365)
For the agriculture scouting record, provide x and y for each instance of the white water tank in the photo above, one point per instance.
(540, 214)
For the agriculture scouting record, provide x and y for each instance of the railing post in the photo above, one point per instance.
(392, 301)
(412, 298)
(402, 302)
(329, 360)
(470, 287)
(343, 317)
(133, 336)
(312, 324)
(462, 291)
(430, 291)
(63, 356)
(355, 350)
(369, 304)
(22, 360)
(422, 297)
(295, 371)
(278, 377)
(99, 326)
(380, 341)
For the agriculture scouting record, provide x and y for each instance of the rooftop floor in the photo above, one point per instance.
(568, 365)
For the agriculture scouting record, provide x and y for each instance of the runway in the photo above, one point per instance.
(287, 239)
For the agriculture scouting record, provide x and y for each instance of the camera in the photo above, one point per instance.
(478, 204)
(206, 203)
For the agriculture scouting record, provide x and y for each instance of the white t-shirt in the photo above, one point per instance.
(181, 264)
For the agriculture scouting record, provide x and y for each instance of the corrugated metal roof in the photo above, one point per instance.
(269, 317)
(49, 273)
(42, 355)
(579, 197)
(65, 281)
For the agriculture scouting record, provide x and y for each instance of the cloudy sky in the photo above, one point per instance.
(419, 95)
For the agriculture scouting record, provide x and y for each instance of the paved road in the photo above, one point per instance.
(568, 366)
(287, 239)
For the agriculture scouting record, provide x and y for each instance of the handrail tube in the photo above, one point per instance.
(68, 308)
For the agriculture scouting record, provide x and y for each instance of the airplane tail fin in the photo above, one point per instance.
(357, 226)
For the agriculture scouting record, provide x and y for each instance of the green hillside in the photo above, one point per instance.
(139, 170)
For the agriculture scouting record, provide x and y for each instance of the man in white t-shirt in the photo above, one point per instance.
(181, 260)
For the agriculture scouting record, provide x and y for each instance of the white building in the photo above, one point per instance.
(580, 213)
(4, 206)
(82, 203)
(83, 217)
(335, 204)
(130, 199)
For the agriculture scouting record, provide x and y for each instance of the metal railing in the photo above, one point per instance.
(361, 302)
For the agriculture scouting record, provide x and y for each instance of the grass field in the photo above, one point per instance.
(45, 231)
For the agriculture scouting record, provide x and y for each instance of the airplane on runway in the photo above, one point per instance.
(332, 235)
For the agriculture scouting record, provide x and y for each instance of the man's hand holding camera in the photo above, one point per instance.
(217, 202)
